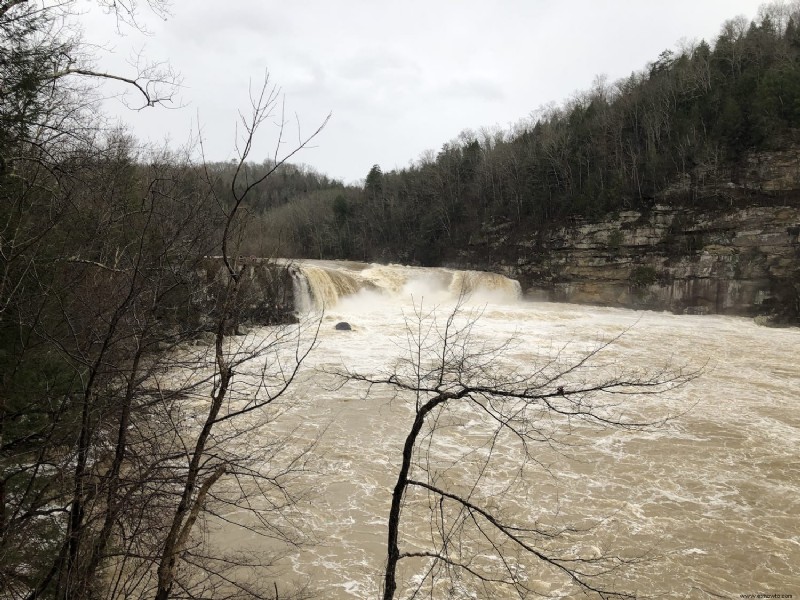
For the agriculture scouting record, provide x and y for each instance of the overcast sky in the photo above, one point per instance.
(399, 77)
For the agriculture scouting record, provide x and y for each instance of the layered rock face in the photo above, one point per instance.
(741, 261)
(739, 255)
(265, 294)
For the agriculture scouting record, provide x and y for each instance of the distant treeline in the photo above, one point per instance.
(684, 123)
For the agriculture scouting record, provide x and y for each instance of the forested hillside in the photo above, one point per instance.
(124, 274)
(104, 274)
(679, 130)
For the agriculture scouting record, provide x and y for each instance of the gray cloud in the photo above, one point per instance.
(473, 89)
(399, 77)
(370, 63)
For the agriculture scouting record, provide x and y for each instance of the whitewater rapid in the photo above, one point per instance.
(710, 499)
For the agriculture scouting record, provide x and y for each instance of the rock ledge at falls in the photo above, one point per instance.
(265, 297)
(739, 261)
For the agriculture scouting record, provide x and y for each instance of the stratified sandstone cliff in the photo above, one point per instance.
(741, 261)
(738, 254)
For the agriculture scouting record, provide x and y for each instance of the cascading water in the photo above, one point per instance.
(320, 285)
(711, 498)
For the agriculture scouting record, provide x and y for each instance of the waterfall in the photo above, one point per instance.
(303, 299)
(721, 469)
(319, 285)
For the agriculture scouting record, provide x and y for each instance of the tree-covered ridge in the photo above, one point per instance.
(104, 273)
(289, 181)
(685, 123)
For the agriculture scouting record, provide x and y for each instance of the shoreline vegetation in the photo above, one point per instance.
(109, 471)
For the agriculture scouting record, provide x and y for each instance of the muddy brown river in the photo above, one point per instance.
(704, 505)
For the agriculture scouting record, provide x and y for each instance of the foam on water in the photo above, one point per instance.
(324, 284)
(712, 497)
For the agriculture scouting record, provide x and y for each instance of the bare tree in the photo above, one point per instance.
(111, 457)
(123, 466)
(447, 514)
(205, 468)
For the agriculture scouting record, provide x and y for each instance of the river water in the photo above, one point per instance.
(704, 505)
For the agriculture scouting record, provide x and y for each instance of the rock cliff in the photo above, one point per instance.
(265, 296)
(742, 261)
(738, 254)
